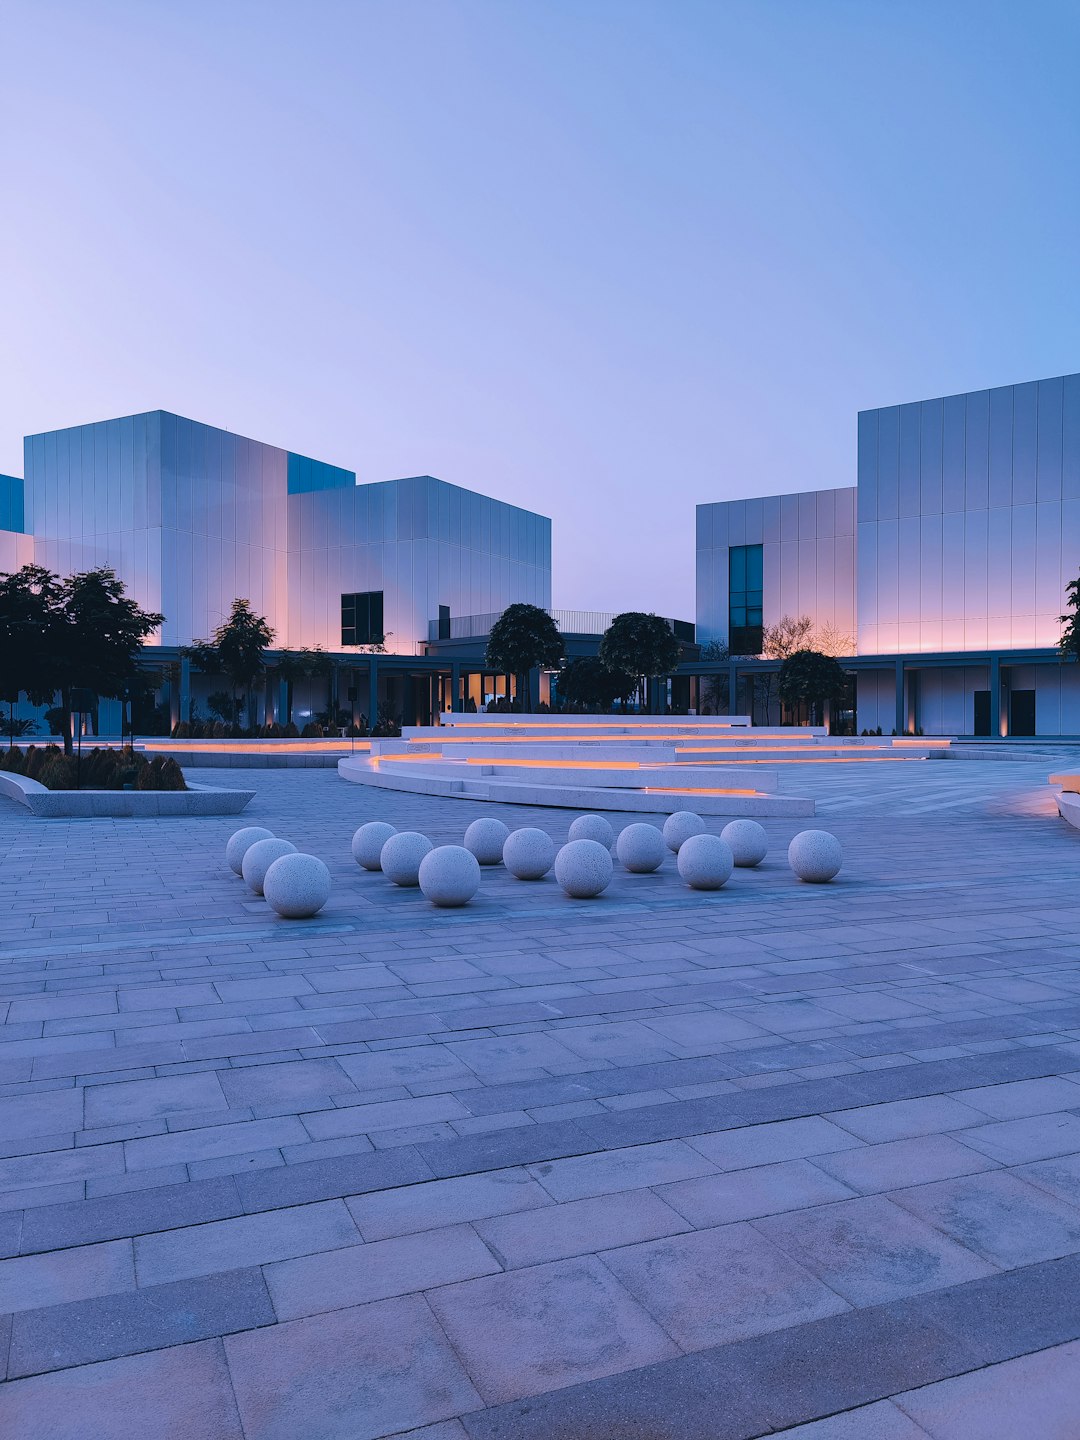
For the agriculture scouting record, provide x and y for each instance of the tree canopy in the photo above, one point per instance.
(791, 633)
(810, 678)
(1069, 644)
(639, 644)
(237, 649)
(81, 633)
(524, 638)
(29, 598)
(587, 682)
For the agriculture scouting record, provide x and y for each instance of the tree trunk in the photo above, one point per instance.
(65, 706)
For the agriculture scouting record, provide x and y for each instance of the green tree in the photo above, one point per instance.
(640, 644)
(93, 639)
(293, 665)
(714, 695)
(522, 639)
(1069, 644)
(809, 678)
(587, 683)
(237, 650)
(29, 602)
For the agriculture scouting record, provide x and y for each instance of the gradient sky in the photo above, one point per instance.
(603, 258)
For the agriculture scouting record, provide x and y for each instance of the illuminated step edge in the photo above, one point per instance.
(471, 783)
(537, 772)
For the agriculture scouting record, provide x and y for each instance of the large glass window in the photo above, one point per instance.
(745, 599)
(362, 618)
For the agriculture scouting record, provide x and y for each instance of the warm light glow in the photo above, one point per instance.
(679, 790)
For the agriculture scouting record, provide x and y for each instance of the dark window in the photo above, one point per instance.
(745, 599)
(362, 618)
(444, 622)
(684, 630)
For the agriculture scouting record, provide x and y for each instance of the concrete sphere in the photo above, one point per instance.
(529, 854)
(240, 841)
(485, 839)
(401, 857)
(705, 862)
(592, 827)
(259, 857)
(583, 868)
(368, 841)
(680, 827)
(297, 886)
(815, 856)
(640, 848)
(449, 875)
(748, 841)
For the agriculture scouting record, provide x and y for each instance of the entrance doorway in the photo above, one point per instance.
(1022, 712)
(982, 713)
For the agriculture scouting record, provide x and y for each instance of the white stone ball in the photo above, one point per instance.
(705, 862)
(680, 827)
(815, 856)
(240, 841)
(592, 827)
(449, 875)
(486, 838)
(640, 848)
(529, 854)
(401, 856)
(368, 841)
(583, 868)
(297, 886)
(748, 841)
(259, 857)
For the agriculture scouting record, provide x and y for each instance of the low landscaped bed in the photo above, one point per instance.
(108, 783)
(100, 769)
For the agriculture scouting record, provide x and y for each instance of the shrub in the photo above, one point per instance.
(12, 760)
(312, 731)
(58, 772)
(182, 730)
(162, 773)
(15, 729)
(388, 726)
(290, 732)
(220, 730)
(36, 758)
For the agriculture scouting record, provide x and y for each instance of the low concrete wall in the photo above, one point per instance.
(1069, 807)
(121, 804)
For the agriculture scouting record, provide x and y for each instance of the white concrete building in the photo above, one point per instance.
(948, 561)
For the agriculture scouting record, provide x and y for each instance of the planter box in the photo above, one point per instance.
(121, 804)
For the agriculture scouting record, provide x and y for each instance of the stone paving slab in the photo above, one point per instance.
(663, 1163)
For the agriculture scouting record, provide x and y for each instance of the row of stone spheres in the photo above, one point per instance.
(449, 875)
(297, 886)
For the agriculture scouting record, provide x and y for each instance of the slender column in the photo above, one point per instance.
(455, 687)
(185, 688)
(733, 688)
(901, 700)
(373, 689)
(999, 699)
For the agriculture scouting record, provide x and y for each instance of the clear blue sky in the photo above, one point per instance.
(606, 258)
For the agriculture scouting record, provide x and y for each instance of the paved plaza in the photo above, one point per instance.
(665, 1165)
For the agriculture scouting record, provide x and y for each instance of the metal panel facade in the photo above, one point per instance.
(997, 473)
(808, 543)
(192, 517)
